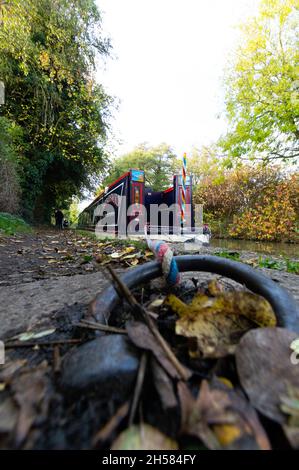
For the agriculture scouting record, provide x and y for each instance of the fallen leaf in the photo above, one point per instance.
(10, 368)
(290, 407)
(295, 345)
(163, 385)
(215, 288)
(35, 335)
(26, 336)
(129, 249)
(143, 437)
(143, 338)
(218, 322)
(31, 393)
(292, 434)
(221, 418)
(132, 256)
(265, 370)
(156, 303)
(43, 333)
(116, 255)
(134, 262)
(8, 415)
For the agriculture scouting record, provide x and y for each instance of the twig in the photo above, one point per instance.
(142, 313)
(56, 359)
(112, 424)
(138, 387)
(30, 344)
(99, 326)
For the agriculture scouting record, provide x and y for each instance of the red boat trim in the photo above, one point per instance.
(119, 179)
(168, 190)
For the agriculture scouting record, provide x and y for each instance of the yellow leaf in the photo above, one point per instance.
(218, 322)
(143, 437)
(227, 433)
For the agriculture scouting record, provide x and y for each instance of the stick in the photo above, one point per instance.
(99, 326)
(30, 344)
(112, 424)
(138, 387)
(142, 313)
(56, 359)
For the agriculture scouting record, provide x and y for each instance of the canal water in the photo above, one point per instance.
(268, 248)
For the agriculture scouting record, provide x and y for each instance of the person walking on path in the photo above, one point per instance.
(59, 219)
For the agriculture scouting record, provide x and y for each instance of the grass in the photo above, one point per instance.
(234, 255)
(11, 224)
(292, 266)
(283, 264)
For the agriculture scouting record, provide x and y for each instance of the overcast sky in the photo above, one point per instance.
(168, 68)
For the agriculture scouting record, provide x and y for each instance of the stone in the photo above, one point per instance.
(108, 364)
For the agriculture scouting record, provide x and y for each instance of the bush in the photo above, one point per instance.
(251, 202)
(10, 224)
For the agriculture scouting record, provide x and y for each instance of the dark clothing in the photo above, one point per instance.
(59, 219)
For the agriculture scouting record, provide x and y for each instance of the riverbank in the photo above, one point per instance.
(277, 249)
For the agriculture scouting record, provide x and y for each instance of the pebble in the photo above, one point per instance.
(108, 364)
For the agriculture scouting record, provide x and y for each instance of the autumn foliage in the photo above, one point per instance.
(256, 203)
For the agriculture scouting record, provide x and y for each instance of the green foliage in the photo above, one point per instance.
(234, 255)
(10, 224)
(47, 57)
(292, 266)
(10, 135)
(157, 162)
(262, 95)
(202, 163)
(285, 264)
(270, 263)
(72, 213)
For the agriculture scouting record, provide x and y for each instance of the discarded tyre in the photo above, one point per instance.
(283, 304)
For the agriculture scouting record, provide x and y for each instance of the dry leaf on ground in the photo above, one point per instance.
(221, 418)
(8, 370)
(219, 322)
(164, 385)
(31, 393)
(265, 370)
(8, 416)
(143, 338)
(143, 437)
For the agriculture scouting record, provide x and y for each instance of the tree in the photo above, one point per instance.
(262, 87)
(10, 136)
(157, 162)
(48, 50)
(202, 163)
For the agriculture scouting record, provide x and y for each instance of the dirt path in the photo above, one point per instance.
(50, 275)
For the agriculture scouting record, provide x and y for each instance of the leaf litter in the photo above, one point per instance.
(239, 387)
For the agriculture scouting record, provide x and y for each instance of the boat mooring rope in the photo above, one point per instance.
(164, 255)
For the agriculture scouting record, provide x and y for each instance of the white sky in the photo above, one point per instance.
(168, 68)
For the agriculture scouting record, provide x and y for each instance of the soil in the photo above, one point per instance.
(47, 280)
